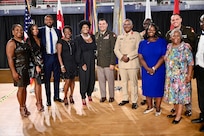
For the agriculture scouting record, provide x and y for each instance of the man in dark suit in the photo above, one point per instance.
(199, 73)
(49, 37)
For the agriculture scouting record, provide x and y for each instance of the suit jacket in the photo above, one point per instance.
(42, 36)
(128, 44)
(105, 46)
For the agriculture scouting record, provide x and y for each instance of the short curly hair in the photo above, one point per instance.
(84, 22)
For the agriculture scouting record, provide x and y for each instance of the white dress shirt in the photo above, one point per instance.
(54, 39)
(200, 52)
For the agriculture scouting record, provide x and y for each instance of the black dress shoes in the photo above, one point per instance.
(48, 104)
(173, 110)
(199, 120)
(111, 99)
(202, 129)
(58, 99)
(103, 99)
(176, 121)
(171, 116)
(188, 113)
(123, 103)
(143, 102)
(134, 106)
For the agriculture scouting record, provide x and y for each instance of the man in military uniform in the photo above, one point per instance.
(188, 36)
(106, 59)
(126, 49)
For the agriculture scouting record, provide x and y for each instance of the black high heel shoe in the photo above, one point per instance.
(71, 99)
(171, 116)
(176, 121)
(65, 101)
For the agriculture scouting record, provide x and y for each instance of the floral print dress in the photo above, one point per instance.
(177, 60)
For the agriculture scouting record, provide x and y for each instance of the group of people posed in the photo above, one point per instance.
(166, 64)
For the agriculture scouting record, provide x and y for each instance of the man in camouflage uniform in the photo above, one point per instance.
(188, 36)
(106, 59)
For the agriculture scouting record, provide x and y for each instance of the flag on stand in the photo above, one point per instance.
(27, 19)
(119, 16)
(91, 15)
(176, 10)
(148, 10)
(60, 18)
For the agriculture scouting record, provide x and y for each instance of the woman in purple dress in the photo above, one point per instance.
(151, 55)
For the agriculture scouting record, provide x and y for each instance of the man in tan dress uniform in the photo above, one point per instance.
(126, 49)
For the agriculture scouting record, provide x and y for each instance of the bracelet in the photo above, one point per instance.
(62, 66)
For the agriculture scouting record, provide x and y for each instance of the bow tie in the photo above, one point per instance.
(202, 33)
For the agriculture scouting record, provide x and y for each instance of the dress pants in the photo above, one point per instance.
(106, 74)
(200, 88)
(51, 64)
(126, 75)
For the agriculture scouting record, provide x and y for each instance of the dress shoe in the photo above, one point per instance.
(48, 104)
(173, 110)
(171, 116)
(123, 103)
(65, 101)
(199, 120)
(103, 99)
(83, 102)
(202, 129)
(188, 113)
(143, 102)
(176, 121)
(90, 99)
(148, 110)
(111, 99)
(58, 99)
(158, 113)
(134, 106)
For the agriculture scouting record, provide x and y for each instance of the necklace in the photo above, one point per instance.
(85, 37)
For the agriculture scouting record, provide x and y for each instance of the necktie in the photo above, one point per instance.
(51, 43)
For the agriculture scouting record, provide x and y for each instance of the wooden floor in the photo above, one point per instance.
(97, 119)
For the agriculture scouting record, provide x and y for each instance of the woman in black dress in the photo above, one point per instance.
(17, 52)
(66, 55)
(36, 55)
(85, 57)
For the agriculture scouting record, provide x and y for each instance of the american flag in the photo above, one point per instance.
(27, 18)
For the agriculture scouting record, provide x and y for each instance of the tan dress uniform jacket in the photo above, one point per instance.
(128, 43)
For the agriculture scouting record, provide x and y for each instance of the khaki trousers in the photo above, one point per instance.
(131, 76)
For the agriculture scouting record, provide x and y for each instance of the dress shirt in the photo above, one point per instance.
(200, 52)
(54, 38)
